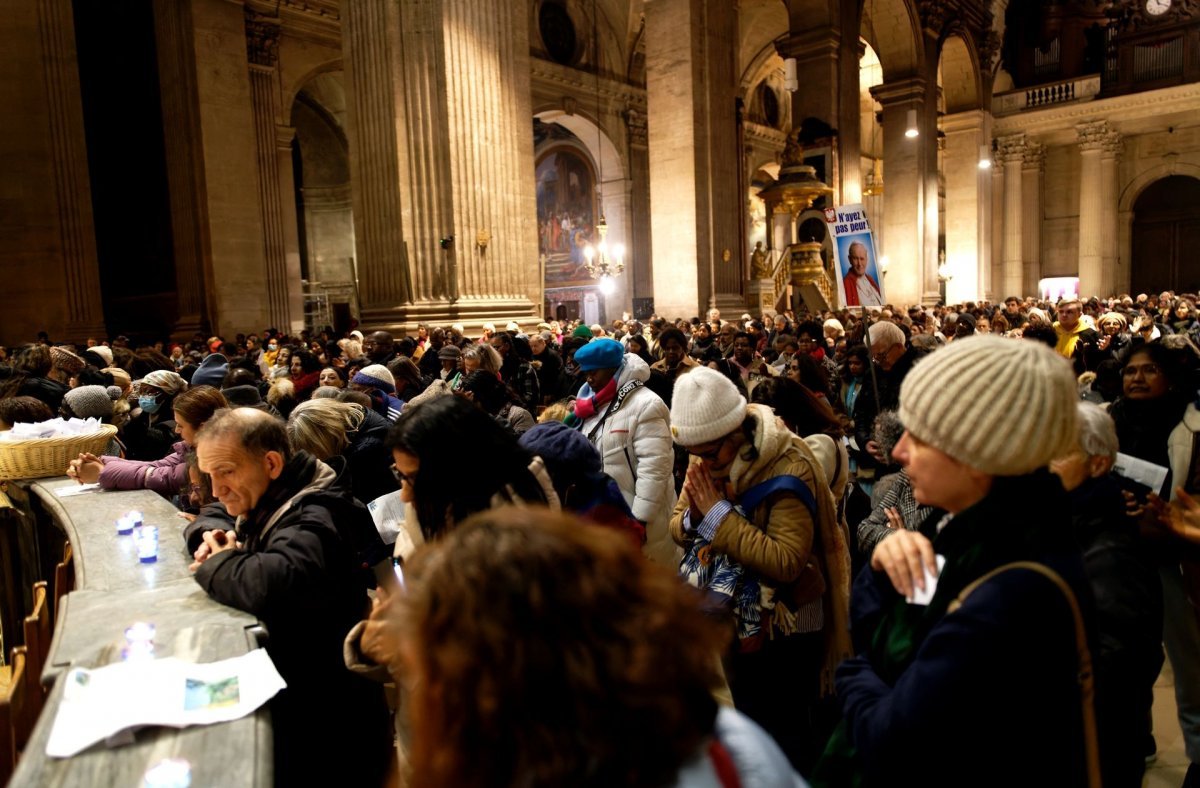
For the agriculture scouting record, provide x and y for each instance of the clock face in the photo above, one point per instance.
(1157, 7)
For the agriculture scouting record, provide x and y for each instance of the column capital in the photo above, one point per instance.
(635, 124)
(1011, 148)
(908, 90)
(1034, 156)
(262, 39)
(934, 14)
(1113, 145)
(1091, 136)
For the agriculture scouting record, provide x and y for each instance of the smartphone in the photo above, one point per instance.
(389, 574)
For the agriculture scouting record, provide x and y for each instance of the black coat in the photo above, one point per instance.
(149, 441)
(369, 461)
(1129, 619)
(300, 573)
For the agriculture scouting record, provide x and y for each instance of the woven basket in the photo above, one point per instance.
(37, 458)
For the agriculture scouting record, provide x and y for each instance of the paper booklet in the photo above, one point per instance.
(96, 704)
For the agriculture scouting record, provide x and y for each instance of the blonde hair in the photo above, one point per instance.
(555, 412)
(321, 427)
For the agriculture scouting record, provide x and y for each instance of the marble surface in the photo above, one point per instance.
(105, 561)
(113, 590)
(236, 753)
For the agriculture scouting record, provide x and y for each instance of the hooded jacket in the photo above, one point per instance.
(636, 448)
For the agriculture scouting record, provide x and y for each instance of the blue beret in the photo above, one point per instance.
(600, 354)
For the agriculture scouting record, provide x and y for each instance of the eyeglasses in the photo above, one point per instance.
(401, 476)
(1145, 369)
(707, 451)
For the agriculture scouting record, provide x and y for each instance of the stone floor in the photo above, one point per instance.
(1168, 770)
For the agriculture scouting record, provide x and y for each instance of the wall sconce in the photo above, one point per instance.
(985, 157)
(883, 264)
(910, 124)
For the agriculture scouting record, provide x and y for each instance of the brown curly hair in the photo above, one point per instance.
(548, 652)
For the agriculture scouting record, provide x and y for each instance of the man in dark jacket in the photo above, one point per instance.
(293, 561)
(516, 371)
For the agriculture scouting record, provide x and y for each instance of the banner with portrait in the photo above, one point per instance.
(859, 276)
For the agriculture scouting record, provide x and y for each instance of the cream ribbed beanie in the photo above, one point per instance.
(705, 406)
(1003, 406)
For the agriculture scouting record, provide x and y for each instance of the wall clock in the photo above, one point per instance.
(1157, 7)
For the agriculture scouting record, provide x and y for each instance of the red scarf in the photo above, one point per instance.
(586, 407)
(305, 383)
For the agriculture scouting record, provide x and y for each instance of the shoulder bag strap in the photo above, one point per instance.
(1086, 678)
(750, 499)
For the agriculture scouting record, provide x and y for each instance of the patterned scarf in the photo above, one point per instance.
(587, 404)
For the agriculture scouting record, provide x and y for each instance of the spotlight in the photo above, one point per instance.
(607, 285)
(910, 124)
(985, 157)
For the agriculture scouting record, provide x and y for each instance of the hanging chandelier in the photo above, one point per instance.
(603, 262)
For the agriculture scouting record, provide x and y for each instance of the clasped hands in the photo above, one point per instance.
(214, 542)
(85, 468)
(702, 491)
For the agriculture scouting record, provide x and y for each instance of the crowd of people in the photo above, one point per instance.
(914, 546)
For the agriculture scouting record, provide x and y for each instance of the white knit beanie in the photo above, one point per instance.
(1003, 406)
(705, 406)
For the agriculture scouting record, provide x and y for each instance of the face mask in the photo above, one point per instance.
(148, 404)
(273, 346)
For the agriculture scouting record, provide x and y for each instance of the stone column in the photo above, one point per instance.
(691, 90)
(638, 265)
(229, 155)
(294, 295)
(181, 144)
(968, 205)
(1110, 157)
(906, 201)
(76, 242)
(1033, 166)
(1011, 151)
(371, 106)
(262, 51)
(1091, 137)
(441, 149)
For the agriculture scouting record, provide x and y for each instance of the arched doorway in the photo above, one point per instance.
(324, 213)
(1166, 233)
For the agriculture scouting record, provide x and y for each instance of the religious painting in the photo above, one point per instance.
(566, 207)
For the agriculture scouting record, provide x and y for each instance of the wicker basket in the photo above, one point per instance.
(37, 458)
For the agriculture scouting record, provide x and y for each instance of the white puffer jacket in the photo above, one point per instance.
(635, 444)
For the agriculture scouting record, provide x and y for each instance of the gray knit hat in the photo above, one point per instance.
(1002, 406)
(90, 402)
(705, 406)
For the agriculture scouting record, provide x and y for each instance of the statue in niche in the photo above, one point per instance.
(758, 263)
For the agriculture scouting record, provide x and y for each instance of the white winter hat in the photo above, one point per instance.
(1003, 406)
(705, 406)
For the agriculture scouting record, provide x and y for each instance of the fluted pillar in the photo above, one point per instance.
(181, 148)
(441, 152)
(1110, 157)
(1091, 138)
(290, 227)
(262, 51)
(691, 83)
(79, 271)
(368, 45)
(1011, 152)
(638, 264)
(1033, 165)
